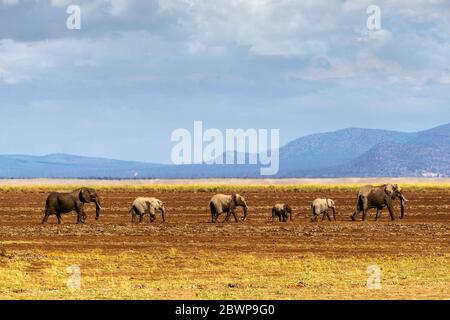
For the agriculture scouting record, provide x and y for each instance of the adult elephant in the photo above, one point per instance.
(221, 203)
(143, 205)
(59, 203)
(378, 197)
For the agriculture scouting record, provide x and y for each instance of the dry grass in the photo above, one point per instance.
(173, 275)
(218, 187)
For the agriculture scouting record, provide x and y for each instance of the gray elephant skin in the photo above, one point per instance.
(147, 205)
(282, 211)
(221, 203)
(378, 197)
(59, 203)
(322, 206)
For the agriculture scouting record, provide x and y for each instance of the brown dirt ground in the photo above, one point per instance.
(424, 231)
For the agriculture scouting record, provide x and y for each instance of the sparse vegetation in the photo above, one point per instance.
(174, 275)
(219, 187)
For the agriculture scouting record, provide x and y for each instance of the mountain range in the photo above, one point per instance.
(351, 152)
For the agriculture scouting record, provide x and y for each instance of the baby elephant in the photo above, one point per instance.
(320, 206)
(283, 211)
(141, 206)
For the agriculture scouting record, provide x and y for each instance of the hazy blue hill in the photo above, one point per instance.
(335, 148)
(438, 135)
(428, 153)
(68, 166)
(348, 152)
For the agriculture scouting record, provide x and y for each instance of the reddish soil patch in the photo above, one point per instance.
(424, 231)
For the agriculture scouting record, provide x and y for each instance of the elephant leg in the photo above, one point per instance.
(378, 214)
(152, 214)
(328, 216)
(45, 219)
(227, 218)
(235, 216)
(80, 215)
(141, 217)
(365, 207)
(324, 215)
(216, 215)
(314, 217)
(391, 211)
(364, 215)
(47, 213)
(58, 215)
(360, 205)
(279, 217)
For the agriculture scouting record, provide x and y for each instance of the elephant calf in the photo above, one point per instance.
(142, 205)
(282, 211)
(321, 206)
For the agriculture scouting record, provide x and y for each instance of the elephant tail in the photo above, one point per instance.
(358, 207)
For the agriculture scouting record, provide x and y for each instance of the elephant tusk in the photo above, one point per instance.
(404, 199)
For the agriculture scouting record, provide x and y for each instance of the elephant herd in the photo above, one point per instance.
(368, 197)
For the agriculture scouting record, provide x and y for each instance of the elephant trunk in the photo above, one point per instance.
(98, 208)
(402, 207)
(245, 213)
(163, 212)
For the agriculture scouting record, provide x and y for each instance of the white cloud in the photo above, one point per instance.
(61, 3)
(294, 31)
(366, 66)
(445, 78)
(118, 7)
(10, 2)
(265, 27)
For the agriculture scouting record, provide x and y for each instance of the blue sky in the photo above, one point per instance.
(137, 70)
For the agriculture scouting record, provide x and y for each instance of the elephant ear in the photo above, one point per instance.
(389, 190)
(234, 199)
(84, 195)
(287, 208)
